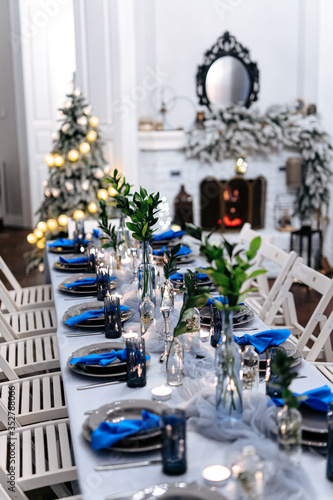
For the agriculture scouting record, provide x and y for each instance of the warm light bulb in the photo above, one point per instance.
(63, 220)
(52, 224)
(112, 191)
(102, 194)
(40, 244)
(92, 207)
(49, 160)
(59, 160)
(41, 267)
(73, 155)
(38, 233)
(78, 214)
(82, 121)
(31, 238)
(94, 121)
(92, 136)
(42, 226)
(84, 147)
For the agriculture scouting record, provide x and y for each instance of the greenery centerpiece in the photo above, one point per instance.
(230, 270)
(169, 268)
(142, 211)
(109, 237)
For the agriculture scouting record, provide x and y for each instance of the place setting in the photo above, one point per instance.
(166, 239)
(72, 263)
(177, 279)
(184, 255)
(83, 284)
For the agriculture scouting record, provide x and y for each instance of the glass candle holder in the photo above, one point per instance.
(290, 433)
(93, 259)
(136, 362)
(273, 382)
(112, 316)
(215, 325)
(250, 369)
(78, 242)
(174, 441)
(103, 280)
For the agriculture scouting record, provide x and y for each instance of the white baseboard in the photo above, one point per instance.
(13, 220)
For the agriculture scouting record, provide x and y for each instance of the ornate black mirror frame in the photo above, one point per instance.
(227, 45)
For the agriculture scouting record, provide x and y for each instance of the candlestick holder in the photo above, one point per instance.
(174, 441)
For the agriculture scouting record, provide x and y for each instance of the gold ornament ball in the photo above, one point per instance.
(42, 226)
(91, 136)
(52, 224)
(102, 194)
(63, 220)
(84, 147)
(112, 191)
(94, 121)
(78, 214)
(49, 160)
(92, 207)
(73, 155)
(38, 233)
(31, 238)
(59, 160)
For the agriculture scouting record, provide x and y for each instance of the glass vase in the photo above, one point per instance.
(123, 238)
(115, 260)
(250, 369)
(147, 314)
(290, 433)
(229, 404)
(168, 294)
(175, 363)
(146, 276)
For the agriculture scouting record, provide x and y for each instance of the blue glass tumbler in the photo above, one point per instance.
(92, 258)
(174, 441)
(102, 280)
(112, 316)
(273, 382)
(136, 362)
(215, 325)
(78, 242)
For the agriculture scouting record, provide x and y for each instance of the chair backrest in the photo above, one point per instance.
(323, 337)
(6, 330)
(9, 275)
(6, 299)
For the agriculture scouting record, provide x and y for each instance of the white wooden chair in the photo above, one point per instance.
(25, 357)
(302, 335)
(326, 368)
(20, 299)
(27, 323)
(269, 254)
(43, 456)
(35, 399)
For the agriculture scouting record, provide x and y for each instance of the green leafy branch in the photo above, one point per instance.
(142, 211)
(282, 369)
(109, 231)
(119, 184)
(170, 261)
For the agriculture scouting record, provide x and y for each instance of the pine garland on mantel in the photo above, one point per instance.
(238, 131)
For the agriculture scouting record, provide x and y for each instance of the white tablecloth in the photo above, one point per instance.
(200, 452)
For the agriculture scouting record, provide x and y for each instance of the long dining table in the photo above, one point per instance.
(201, 451)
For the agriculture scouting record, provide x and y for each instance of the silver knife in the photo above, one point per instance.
(84, 334)
(92, 386)
(128, 465)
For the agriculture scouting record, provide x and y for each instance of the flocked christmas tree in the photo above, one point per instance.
(77, 169)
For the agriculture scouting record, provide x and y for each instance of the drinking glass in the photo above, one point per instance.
(273, 382)
(136, 362)
(112, 316)
(78, 242)
(174, 441)
(103, 280)
(93, 258)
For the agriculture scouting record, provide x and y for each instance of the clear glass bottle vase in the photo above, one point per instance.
(290, 433)
(123, 237)
(168, 294)
(229, 405)
(146, 276)
(175, 362)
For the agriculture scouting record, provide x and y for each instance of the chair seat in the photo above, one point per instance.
(33, 322)
(44, 454)
(32, 355)
(40, 398)
(325, 368)
(31, 297)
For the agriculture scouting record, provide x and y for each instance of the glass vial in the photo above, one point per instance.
(175, 363)
(250, 369)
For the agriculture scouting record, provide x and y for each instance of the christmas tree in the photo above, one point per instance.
(77, 169)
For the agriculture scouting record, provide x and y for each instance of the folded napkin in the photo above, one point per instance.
(73, 260)
(183, 251)
(85, 281)
(180, 276)
(62, 242)
(318, 399)
(221, 299)
(264, 339)
(102, 359)
(96, 233)
(94, 313)
(109, 433)
(168, 235)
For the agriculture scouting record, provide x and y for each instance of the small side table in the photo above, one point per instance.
(306, 233)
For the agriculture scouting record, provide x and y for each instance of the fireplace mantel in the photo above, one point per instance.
(164, 140)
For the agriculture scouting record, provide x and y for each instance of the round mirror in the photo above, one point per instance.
(227, 82)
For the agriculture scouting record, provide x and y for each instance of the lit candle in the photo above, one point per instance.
(129, 335)
(204, 335)
(161, 393)
(216, 475)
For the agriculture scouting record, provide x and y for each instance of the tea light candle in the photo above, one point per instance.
(216, 475)
(161, 393)
(204, 335)
(129, 335)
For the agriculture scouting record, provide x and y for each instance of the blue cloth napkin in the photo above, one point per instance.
(102, 359)
(73, 260)
(264, 339)
(318, 399)
(96, 233)
(168, 235)
(180, 276)
(62, 242)
(94, 313)
(109, 433)
(183, 251)
(84, 281)
(221, 299)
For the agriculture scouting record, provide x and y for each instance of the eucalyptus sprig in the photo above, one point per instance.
(282, 369)
(170, 261)
(142, 211)
(110, 236)
(196, 297)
